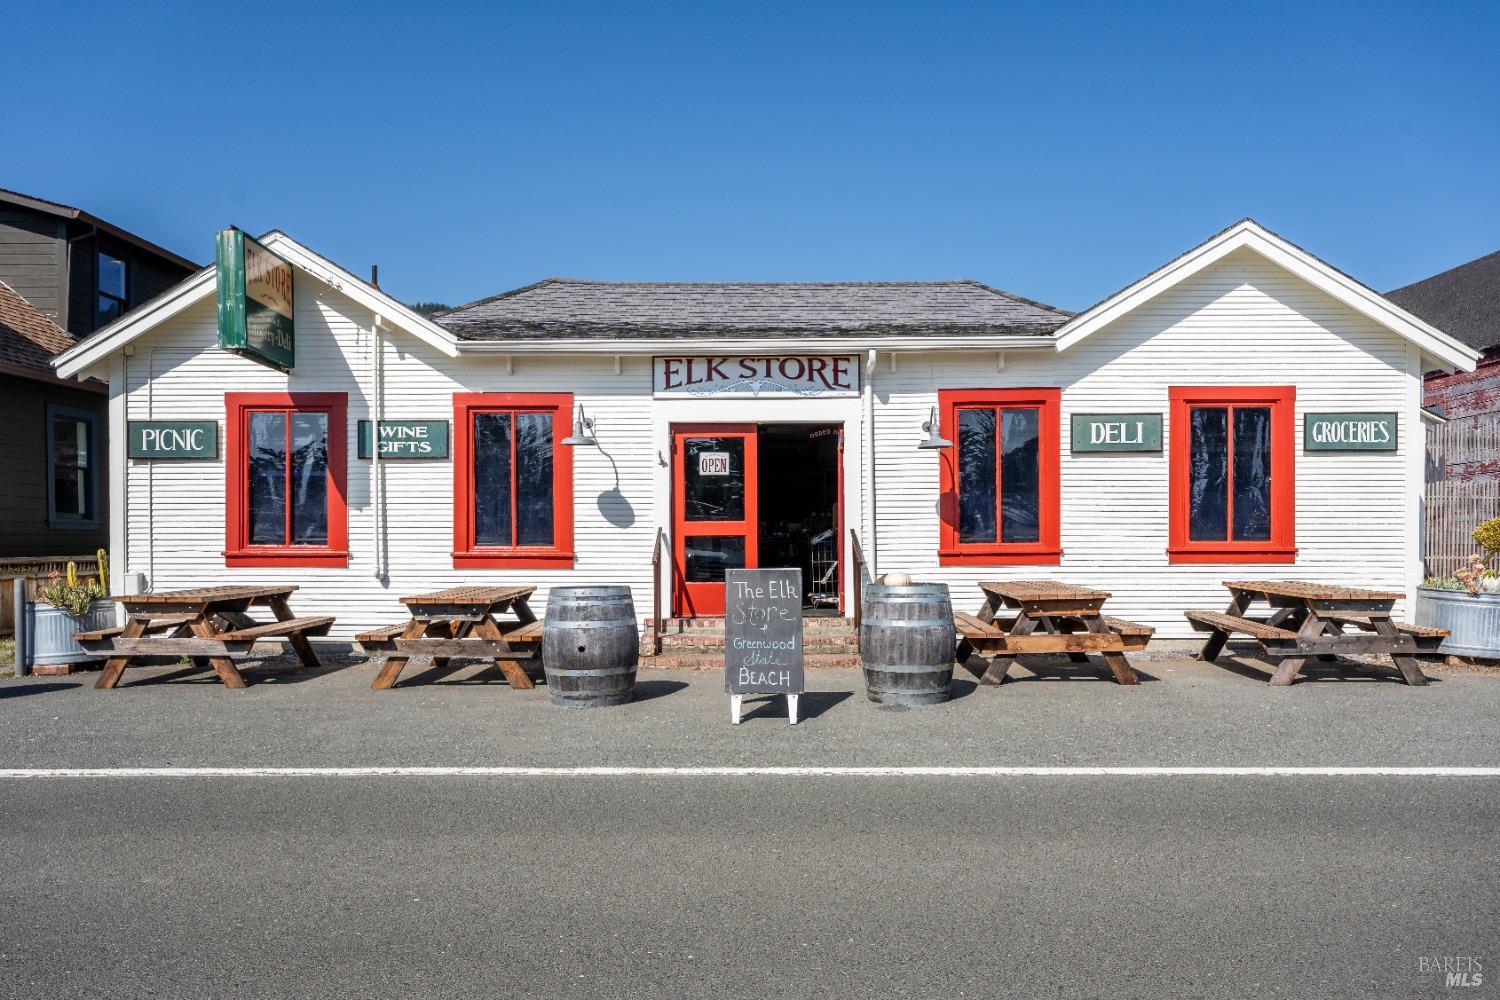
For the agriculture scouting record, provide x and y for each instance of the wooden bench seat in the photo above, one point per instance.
(1421, 631)
(276, 630)
(1218, 621)
(1124, 627)
(160, 625)
(380, 634)
(971, 626)
(530, 632)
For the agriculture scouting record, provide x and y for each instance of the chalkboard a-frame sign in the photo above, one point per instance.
(762, 636)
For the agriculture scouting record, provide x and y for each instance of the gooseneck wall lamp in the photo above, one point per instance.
(934, 439)
(583, 432)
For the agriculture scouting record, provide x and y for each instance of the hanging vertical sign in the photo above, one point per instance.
(255, 301)
(763, 636)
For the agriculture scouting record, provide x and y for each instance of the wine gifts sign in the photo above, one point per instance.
(760, 376)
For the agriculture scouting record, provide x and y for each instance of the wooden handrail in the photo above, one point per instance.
(859, 578)
(656, 593)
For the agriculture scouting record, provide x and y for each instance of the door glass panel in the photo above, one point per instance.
(492, 520)
(1020, 510)
(976, 475)
(309, 479)
(533, 479)
(267, 479)
(1252, 473)
(1208, 473)
(713, 476)
(709, 556)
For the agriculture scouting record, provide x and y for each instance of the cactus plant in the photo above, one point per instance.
(102, 559)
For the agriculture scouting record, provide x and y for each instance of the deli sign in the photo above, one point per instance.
(173, 439)
(760, 376)
(1116, 432)
(1349, 432)
(255, 301)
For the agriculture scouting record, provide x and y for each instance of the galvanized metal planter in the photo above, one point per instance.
(1473, 620)
(49, 632)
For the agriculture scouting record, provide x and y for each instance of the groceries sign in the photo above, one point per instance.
(783, 375)
(1349, 432)
(255, 301)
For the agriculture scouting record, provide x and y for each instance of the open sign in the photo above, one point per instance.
(713, 463)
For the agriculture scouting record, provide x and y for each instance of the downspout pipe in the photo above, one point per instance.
(377, 412)
(871, 548)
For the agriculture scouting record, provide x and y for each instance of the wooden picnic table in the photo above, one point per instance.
(1309, 619)
(461, 623)
(1070, 620)
(209, 624)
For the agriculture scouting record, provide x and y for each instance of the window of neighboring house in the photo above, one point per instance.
(1233, 464)
(114, 285)
(512, 480)
(285, 471)
(1000, 480)
(72, 467)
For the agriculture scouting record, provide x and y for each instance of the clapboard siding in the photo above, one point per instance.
(25, 529)
(176, 518)
(33, 257)
(1242, 321)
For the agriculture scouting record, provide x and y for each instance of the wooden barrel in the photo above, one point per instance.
(906, 643)
(590, 646)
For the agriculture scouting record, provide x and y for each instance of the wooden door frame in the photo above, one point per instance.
(750, 529)
(677, 430)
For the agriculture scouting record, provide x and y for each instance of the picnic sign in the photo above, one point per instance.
(1349, 432)
(255, 301)
(763, 636)
(1116, 432)
(406, 439)
(173, 439)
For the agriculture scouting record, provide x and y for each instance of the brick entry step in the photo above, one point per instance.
(698, 643)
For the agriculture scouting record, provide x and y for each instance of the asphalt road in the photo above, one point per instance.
(745, 887)
(758, 886)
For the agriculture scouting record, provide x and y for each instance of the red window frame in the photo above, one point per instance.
(1047, 549)
(468, 555)
(237, 548)
(1282, 545)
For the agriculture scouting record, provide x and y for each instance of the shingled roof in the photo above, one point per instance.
(28, 339)
(1463, 302)
(567, 308)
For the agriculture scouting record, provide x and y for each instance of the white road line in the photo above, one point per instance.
(710, 772)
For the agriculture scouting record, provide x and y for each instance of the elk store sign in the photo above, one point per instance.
(1116, 432)
(1349, 432)
(173, 439)
(255, 301)
(761, 376)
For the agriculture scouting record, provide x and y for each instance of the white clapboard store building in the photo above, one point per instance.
(1245, 410)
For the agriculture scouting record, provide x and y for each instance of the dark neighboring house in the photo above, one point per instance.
(63, 274)
(78, 270)
(1465, 303)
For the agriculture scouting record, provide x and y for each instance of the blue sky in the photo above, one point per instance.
(1055, 150)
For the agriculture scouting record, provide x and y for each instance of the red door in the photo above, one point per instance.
(716, 525)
